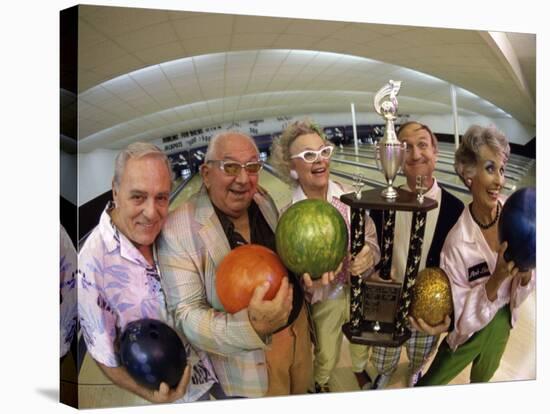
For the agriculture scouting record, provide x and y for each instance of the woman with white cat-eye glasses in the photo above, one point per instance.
(302, 157)
(310, 156)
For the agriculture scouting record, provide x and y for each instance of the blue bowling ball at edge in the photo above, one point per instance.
(152, 352)
(517, 226)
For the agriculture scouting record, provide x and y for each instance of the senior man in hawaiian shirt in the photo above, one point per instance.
(119, 280)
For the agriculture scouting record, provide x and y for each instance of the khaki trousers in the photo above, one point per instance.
(289, 359)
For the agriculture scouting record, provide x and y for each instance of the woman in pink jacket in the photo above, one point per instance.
(486, 289)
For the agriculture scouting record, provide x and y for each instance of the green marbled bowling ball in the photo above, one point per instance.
(311, 237)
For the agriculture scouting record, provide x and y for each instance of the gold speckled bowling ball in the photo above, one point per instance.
(431, 297)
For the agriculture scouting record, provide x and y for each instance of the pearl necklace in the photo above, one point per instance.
(486, 226)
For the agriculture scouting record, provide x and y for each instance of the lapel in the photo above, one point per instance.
(211, 231)
(267, 207)
(215, 241)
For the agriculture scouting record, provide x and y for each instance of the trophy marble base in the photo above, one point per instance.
(367, 335)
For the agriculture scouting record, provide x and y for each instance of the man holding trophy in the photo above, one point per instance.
(418, 166)
(411, 232)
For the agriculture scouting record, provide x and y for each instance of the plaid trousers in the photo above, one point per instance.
(419, 348)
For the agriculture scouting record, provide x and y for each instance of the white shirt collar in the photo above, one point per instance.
(333, 191)
(115, 239)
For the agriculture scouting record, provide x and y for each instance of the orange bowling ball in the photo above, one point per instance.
(242, 270)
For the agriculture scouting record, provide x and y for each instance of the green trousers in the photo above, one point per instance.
(484, 350)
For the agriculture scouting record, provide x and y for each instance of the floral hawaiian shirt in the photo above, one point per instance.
(117, 286)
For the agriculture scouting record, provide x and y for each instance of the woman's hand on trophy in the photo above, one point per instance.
(375, 277)
(362, 261)
(325, 279)
(421, 326)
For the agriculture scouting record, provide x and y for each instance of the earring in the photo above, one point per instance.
(469, 182)
(294, 175)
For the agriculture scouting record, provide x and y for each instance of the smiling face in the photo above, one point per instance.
(421, 155)
(142, 199)
(312, 176)
(489, 179)
(231, 194)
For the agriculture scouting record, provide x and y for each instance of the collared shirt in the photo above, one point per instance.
(260, 232)
(117, 286)
(468, 261)
(336, 289)
(403, 221)
(67, 291)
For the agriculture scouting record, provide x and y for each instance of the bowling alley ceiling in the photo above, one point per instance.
(146, 74)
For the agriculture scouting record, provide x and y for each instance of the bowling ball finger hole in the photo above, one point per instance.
(154, 334)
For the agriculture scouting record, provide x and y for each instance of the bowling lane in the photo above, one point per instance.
(443, 165)
(368, 169)
(95, 390)
(444, 172)
(279, 190)
(367, 158)
(177, 182)
(517, 164)
(190, 188)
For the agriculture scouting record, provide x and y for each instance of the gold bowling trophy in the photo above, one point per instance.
(379, 310)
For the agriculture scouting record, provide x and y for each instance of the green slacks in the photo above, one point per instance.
(484, 350)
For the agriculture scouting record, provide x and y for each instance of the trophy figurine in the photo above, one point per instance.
(358, 184)
(420, 188)
(389, 151)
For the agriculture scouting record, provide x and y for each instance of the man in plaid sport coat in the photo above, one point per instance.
(228, 210)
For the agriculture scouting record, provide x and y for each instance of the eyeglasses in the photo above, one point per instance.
(234, 168)
(310, 156)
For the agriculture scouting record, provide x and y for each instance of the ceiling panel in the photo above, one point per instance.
(204, 25)
(149, 69)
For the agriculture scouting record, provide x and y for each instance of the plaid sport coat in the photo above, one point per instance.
(190, 248)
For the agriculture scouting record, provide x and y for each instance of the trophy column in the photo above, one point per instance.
(378, 310)
(386, 249)
(413, 262)
(358, 241)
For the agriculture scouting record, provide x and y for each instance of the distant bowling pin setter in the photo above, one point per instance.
(517, 226)
(152, 352)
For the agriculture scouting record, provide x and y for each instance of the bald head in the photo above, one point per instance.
(230, 193)
(222, 142)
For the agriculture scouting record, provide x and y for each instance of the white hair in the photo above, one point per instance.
(138, 150)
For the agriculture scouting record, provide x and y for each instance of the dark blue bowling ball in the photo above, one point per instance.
(152, 352)
(517, 226)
